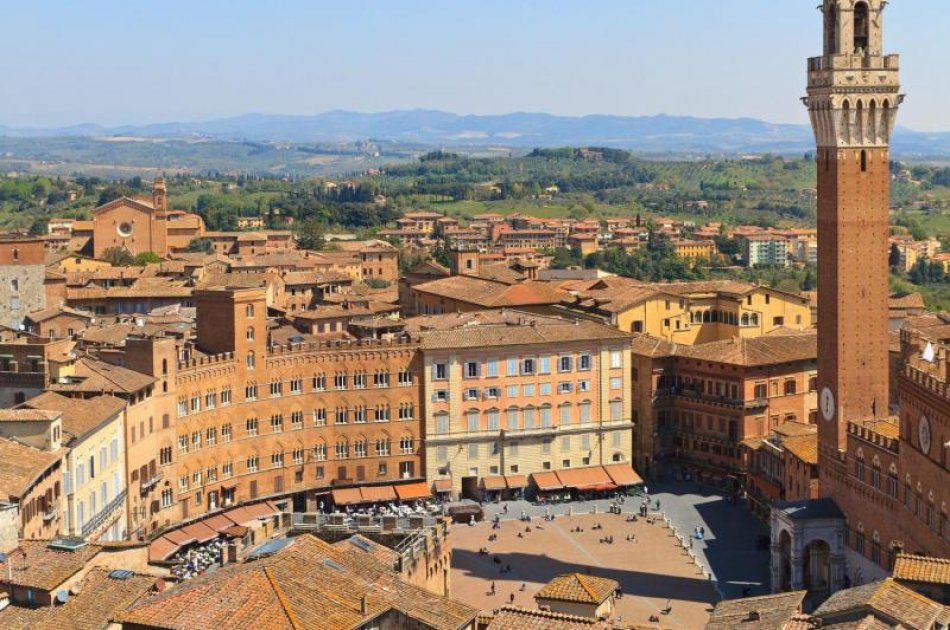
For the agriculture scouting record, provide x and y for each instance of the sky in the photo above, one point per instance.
(119, 62)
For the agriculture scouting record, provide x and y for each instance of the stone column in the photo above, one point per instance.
(797, 561)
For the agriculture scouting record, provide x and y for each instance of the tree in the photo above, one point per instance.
(40, 227)
(201, 245)
(118, 256)
(146, 258)
(894, 258)
(311, 235)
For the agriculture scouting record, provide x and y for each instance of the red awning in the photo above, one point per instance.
(179, 537)
(241, 516)
(219, 522)
(235, 531)
(547, 481)
(515, 482)
(378, 494)
(347, 496)
(161, 549)
(580, 478)
(494, 483)
(623, 474)
(200, 532)
(413, 491)
(597, 487)
(443, 485)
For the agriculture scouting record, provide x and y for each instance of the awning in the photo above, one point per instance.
(581, 478)
(493, 483)
(598, 487)
(347, 496)
(179, 537)
(161, 549)
(546, 481)
(378, 494)
(260, 510)
(623, 474)
(235, 531)
(200, 532)
(241, 516)
(443, 485)
(219, 522)
(413, 491)
(516, 482)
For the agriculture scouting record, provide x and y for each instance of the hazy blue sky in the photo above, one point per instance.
(132, 61)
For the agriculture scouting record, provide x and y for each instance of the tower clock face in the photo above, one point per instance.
(827, 404)
(923, 434)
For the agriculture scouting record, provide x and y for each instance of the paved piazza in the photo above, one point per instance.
(650, 571)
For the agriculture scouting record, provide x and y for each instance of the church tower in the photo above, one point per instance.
(853, 96)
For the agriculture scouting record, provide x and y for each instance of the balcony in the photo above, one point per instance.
(147, 484)
(711, 399)
(102, 517)
(854, 62)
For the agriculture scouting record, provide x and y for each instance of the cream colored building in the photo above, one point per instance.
(94, 479)
(690, 312)
(512, 393)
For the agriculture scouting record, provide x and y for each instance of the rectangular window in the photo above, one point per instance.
(512, 367)
(544, 389)
(440, 371)
(528, 390)
(320, 417)
(564, 363)
(616, 410)
(473, 421)
(472, 369)
(616, 359)
(583, 386)
(585, 413)
(441, 424)
(528, 366)
(529, 418)
(564, 415)
(545, 417)
(491, 368)
(512, 419)
(565, 388)
(493, 393)
(585, 362)
(616, 383)
(471, 393)
(512, 391)
(473, 451)
(440, 395)
(493, 420)
(544, 365)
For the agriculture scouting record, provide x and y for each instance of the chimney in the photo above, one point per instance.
(363, 605)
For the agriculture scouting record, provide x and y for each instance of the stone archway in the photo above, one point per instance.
(816, 566)
(785, 561)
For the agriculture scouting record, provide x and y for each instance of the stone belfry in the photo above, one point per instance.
(853, 96)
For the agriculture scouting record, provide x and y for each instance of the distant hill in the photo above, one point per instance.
(653, 134)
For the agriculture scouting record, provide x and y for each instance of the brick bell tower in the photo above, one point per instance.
(853, 96)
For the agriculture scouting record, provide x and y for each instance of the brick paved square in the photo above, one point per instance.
(650, 571)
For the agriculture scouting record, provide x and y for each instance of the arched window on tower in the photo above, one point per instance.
(864, 161)
(831, 30)
(862, 27)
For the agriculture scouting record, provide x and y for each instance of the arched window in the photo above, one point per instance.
(250, 359)
(249, 310)
(846, 121)
(249, 335)
(862, 27)
(164, 366)
(754, 319)
(872, 121)
(864, 161)
(831, 30)
(745, 319)
(16, 254)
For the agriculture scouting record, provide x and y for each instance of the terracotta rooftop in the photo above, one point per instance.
(102, 595)
(98, 376)
(503, 328)
(489, 293)
(576, 587)
(28, 415)
(756, 351)
(50, 313)
(767, 612)
(21, 466)
(309, 584)
(804, 447)
(517, 618)
(36, 565)
(887, 427)
(80, 415)
(913, 568)
(886, 600)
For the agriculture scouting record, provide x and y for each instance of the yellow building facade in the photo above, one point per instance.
(505, 402)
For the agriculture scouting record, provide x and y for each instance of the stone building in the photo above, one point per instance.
(22, 279)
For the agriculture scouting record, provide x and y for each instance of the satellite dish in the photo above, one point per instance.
(62, 597)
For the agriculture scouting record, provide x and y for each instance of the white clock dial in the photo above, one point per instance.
(923, 434)
(827, 404)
